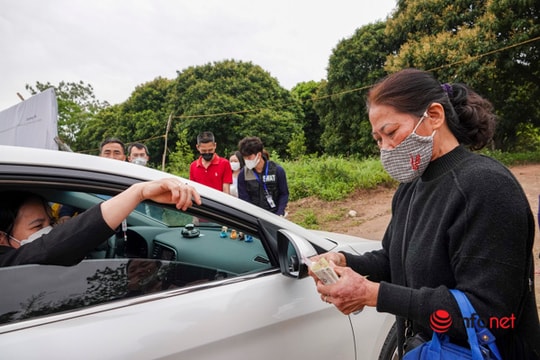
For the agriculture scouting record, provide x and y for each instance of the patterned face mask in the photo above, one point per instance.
(408, 161)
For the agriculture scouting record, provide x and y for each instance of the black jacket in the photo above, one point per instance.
(251, 187)
(66, 244)
(469, 227)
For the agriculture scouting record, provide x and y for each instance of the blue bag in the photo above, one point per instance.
(481, 341)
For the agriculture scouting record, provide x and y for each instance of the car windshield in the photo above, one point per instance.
(147, 212)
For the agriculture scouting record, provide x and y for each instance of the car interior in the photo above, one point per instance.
(157, 248)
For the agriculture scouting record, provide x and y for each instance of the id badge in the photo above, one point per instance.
(270, 201)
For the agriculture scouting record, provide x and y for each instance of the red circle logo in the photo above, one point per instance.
(440, 321)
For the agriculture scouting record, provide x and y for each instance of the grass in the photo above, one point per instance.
(334, 178)
(307, 218)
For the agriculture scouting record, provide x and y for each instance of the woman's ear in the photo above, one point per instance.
(436, 115)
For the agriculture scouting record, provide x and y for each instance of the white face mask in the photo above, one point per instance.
(139, 161)
(235, 166)
(250, 164)
(34, 236)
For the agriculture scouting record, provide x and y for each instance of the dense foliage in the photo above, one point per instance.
(491, 45)
(234, 99)
(142, 118)
(354, 65)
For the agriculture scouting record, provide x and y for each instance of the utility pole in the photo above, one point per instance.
(164, 157)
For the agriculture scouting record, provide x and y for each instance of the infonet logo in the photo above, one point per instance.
(440, 321)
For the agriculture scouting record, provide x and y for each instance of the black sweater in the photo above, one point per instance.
(66, 244)
(469, 227)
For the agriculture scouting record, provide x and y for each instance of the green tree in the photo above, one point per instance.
(234, 99)
(355, 64)
(109, 122)
(477, 43)
(141, 118)
(146, 113)
(179, 160)
(297, 148)
(305, 93)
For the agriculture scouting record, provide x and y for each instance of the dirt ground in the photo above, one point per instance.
(372, 209)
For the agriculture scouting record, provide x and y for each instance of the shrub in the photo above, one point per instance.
(332, 178)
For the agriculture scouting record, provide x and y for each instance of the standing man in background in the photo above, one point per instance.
(210, 169)
(262, 182)
(112, 148)
(138, 154)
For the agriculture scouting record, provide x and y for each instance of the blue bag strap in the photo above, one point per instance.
(478, 334)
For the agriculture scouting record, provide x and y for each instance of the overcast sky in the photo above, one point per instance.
(115, 45)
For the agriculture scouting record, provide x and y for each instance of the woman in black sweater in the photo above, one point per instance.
(459, 220)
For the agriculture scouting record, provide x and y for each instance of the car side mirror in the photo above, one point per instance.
(292, 249)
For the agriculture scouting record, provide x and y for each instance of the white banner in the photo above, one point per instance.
(32, 123)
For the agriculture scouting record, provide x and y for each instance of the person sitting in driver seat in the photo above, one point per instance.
(27, 235)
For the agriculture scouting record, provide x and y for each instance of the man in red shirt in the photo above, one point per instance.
(210, 169)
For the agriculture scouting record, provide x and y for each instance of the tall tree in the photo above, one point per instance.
(234, 99)
(305, 93)
(477, 43)
(107, 123)
(355, 64)
(146, 113)
(141, 118)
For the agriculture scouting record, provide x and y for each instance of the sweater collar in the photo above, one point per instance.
(445, 163)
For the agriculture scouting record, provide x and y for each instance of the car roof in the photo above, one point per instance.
(18, 155)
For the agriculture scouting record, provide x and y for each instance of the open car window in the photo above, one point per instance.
(158, 249)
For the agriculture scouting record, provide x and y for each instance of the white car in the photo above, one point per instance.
(223, 280)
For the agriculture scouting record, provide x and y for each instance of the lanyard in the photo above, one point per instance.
(264, 179)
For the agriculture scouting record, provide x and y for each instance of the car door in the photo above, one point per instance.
(261, 316)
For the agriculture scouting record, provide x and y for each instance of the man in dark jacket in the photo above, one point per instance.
(262, 182)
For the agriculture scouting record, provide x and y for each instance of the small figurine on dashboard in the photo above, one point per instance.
(223, 232)
(190, 231)
(233, 234)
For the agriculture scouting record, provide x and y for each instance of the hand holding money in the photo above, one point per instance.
(322, 269)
